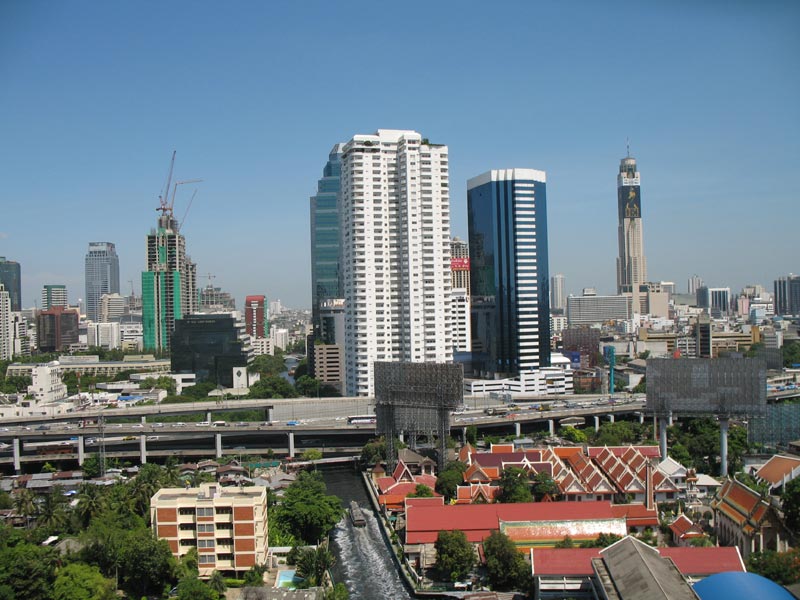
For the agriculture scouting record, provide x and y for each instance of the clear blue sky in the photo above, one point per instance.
(94, 96)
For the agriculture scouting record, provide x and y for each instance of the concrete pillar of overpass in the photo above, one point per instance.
(17, 461)
(81, 450)
(144, 419)
(551, 424)
(208, 416)
(463, 435)
(611, 418)
(669, 420)
(218, 444)
(401, 436)
(596, 423)
(662, 437)
(723, 447)
(517, 429)
(269, 413)
(641, 418)
(291, 444)
(143, 448)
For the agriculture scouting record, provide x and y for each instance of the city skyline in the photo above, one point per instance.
(101, 108)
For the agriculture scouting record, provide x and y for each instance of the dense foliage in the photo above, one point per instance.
(781, 567)
(506, 567)
(455, 556)
(307, 513)
(514, 486)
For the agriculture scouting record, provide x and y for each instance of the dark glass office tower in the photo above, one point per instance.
(209, 346)
(507, 212)
(325, 243)
(10, 277)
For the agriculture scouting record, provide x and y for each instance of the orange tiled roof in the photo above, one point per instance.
(778, 467)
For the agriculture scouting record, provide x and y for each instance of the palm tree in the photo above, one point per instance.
(52, 512)
(312, 564)
(25, 504)
(172, 475)
(91, 502)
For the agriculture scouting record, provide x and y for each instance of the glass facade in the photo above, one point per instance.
(102, 276)
(325, 243)
(10, 277)
(507, 218)
(209, 346)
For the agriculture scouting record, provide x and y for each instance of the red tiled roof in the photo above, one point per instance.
(684, 528)
(636, 515)
(564, 561)
(384, 483)
(502, 448)
(647, 451)
(435, 501)
(478, 520)
(705, 561)
(778, 467)
(576, 562)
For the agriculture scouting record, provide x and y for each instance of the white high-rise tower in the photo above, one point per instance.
(631, 264)
(395, 227)
(558, 297)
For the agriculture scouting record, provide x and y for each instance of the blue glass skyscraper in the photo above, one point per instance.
(507, 219)
(325, 243)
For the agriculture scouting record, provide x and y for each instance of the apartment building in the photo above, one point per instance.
(227, 525)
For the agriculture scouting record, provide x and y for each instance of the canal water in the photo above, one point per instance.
(363, 560)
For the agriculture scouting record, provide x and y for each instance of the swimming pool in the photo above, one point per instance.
(287, 579)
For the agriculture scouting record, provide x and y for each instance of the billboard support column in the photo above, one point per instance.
(662, 437)
(723, 446)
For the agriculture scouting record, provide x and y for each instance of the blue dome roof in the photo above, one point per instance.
(736, 586)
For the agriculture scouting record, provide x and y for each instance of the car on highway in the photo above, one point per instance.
(91, 441)
(43, 428)
(292, 423)
(157, 424)
(179, 424)
(204, 423)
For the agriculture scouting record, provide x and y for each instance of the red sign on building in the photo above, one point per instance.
(459, 264)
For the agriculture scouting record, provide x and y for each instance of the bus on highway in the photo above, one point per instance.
(362, 420)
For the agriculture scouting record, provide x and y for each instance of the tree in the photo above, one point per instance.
(91, 466)
(311, 454)
(514, 486)
(267, 364)
(781, 567)
(313, 564)
(146, 563)
(544, 485)
(91, 502)
(602, 541)
(307, 511)
(79, 581)
(272, 386)
(573, 435)
(447, 483)
(191, 588)
(565, 543)
(506, 567)
(471, 435)
(374, 452)
(301, 370)
(790, 502)
(307, 386)
(25, 504)
(455, 556)
(164, 382)
(337, 592)
(618, 433)
(254, 577)
(26, 571)
(422, 491)
(52, 512)
(217, 582)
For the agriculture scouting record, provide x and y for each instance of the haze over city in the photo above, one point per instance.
(253, 96)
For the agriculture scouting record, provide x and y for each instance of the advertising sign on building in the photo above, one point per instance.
(459, 264)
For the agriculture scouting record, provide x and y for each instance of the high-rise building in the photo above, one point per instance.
(694, 283)
(720, 301)
(169, 285)
(112, 307)
(591, 308)
(325, 242)
(10, 277)
(631, 263)
(211, 346)
(460, 320)
(57, 328)
(212, 299)
(54, 295)
(459, 264)
(256, 316)
(395, 223)
(6, 325)
(787, 295)
(507, 220)
(102, 276)
(558, 296)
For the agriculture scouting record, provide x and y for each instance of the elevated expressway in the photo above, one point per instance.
(289, 424)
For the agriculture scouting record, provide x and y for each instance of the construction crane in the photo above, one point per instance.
(187, 210)
(164, 197)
